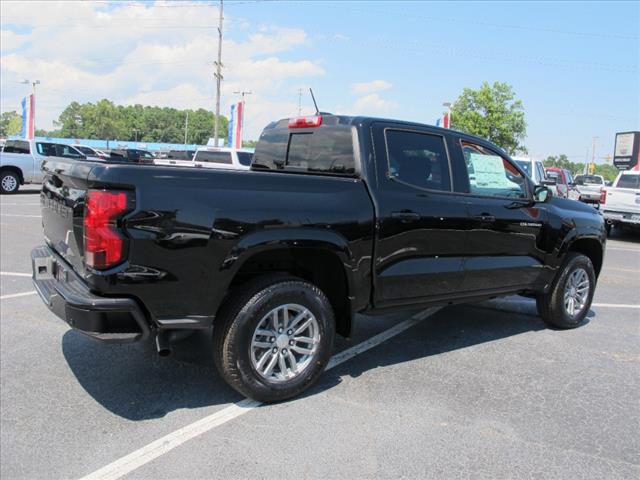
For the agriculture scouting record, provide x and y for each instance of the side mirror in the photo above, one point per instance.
(550, 181)
(541, 194)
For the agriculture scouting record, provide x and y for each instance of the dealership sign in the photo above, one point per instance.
(626, 152)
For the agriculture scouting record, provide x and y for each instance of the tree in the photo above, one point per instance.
(105, 120)
(10, 124)
(493, 113)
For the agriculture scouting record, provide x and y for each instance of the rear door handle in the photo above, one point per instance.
(405, 216)
(485, 218)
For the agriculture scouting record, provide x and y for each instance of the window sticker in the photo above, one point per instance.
(488, 172)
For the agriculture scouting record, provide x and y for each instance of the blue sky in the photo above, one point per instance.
(575, 65)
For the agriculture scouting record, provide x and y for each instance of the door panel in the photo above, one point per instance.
(421, 224)
(505, 225)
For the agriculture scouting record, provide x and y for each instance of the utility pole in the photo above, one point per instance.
(186, 127)
(300, 102)
(244, 114)
(218, 76)
(593, 150)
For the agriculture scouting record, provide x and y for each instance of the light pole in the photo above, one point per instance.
(33, 113)
(218, 76)
(242, 94)
(448, 105)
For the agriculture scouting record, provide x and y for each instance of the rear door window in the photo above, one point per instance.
(16, 146)
(418, 159)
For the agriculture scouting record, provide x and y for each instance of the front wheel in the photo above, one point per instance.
(274, 337)
(567, 303)
(9, 182)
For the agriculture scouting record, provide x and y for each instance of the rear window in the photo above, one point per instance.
(213, 157)
(629, 181)
(588, 180)
(16, 146)
(325, 150)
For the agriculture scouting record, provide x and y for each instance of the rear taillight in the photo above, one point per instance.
(103, 243)
(305, 122)
(603, 196)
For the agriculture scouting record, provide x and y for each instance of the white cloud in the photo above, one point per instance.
(142, 53)
(370, 87)
(10, 40)
(374, 105)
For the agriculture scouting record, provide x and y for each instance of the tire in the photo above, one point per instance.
(551, 305)
(9, 182)
(607, 228)
(238, 344)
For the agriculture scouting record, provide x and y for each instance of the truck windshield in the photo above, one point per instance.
(629, 181)
(213, 157)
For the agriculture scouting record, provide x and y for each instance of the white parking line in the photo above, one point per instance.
(614, 305)
(632, 270)
(14, 274)
(165, 444)
(17, 215)
(624, 249)
(16, 295)
(2, 204)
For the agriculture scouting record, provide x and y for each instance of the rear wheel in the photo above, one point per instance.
(9, 182)
(567, 303)
(274, 338)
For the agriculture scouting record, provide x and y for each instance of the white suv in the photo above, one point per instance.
(533, 168)
(214, 157)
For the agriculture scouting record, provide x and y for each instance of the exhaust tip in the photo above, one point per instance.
(162, 344)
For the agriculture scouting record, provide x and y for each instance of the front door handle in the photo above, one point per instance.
(405, 216)
(485, 217)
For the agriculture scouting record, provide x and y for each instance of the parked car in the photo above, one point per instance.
(590, 188)
(339, 215)
(564, 184)
(621, 203)
(533, 168)
(92, 152)
(213, 157)
(134, 155)
(20, 161)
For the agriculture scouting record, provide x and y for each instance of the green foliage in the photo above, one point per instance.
(608, 171)
(249, 143)
(492, 113)
(10, 124)
(105, 120)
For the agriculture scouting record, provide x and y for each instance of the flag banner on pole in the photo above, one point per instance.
(230, 126)
(445, 120)
(235, 126)
(28, 111)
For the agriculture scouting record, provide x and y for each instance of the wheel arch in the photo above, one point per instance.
(323, 259)
(12, 168)
(592, 248)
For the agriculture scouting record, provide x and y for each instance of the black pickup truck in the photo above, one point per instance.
(338, 215)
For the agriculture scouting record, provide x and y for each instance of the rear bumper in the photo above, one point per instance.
(621, 217)
(67, 296)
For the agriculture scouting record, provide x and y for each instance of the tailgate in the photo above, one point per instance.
(62, 203)
(623, 200)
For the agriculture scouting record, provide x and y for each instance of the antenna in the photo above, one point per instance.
(314, 101)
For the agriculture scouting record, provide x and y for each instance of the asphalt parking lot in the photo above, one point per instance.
(475, 391)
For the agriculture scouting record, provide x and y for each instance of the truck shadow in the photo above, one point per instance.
(133, 382)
